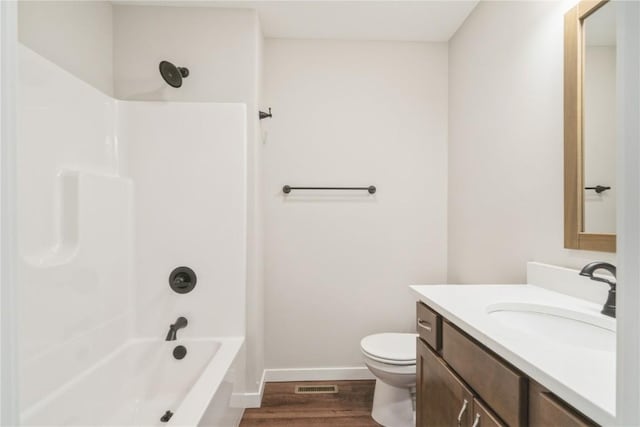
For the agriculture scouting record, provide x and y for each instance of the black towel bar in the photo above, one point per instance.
(287, 188)
(598, 188)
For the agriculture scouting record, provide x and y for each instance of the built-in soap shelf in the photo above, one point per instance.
(86, 202)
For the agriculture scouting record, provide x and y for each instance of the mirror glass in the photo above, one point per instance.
(599, 121)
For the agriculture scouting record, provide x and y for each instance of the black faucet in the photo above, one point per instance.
(181, 322)
(609, 308)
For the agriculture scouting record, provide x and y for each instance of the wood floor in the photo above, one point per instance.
(350, 407)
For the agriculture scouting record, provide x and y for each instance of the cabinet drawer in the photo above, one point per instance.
(500, 386)
(429, 326)
(547, 410)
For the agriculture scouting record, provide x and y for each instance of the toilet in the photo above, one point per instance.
(391, 358)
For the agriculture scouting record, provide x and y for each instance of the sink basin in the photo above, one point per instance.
(560, 325)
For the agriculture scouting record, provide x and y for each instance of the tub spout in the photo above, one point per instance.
(181, 322)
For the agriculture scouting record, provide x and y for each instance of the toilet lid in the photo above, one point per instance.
(391, 346)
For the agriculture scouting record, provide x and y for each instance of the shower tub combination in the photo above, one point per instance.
(138, 383)
(103, 197)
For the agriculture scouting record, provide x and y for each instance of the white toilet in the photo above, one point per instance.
(391, 357)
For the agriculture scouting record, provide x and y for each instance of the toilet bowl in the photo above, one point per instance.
(391, 358)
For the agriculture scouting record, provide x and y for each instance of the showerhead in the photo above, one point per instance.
(173, 75)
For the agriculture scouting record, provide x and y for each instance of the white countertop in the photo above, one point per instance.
(585, 378)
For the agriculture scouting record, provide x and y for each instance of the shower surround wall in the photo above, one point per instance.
(188, 163)
(74, 231)
(95, 174)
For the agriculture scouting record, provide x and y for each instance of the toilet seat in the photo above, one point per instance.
(397, 349)
(389, 361)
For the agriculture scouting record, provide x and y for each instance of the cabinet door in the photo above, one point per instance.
(546, 410)
(442, 400)
(484, 417)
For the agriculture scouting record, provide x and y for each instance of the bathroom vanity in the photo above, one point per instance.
(512, 355)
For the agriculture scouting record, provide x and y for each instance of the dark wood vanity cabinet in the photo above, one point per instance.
(461, 383)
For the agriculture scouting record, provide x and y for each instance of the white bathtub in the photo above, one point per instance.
(136, 384)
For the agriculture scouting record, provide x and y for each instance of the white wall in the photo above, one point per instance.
(338, 264)
(74, 228)
(255, 233)
(628, 216)
(506, 143)
(8, 287)
(188, 164)
(221, 48)
(76, 35)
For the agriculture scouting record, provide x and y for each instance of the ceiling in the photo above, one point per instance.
(397, 20)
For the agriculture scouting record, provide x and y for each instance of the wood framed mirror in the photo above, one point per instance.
(590, 126)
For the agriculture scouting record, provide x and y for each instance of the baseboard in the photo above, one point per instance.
(318, 374)
(254, 400)
(249, 400)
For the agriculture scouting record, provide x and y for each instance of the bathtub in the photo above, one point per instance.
(136, 384)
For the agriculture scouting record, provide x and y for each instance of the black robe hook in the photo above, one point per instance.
(263, 115)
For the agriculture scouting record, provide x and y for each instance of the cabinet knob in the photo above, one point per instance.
(476, 421)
